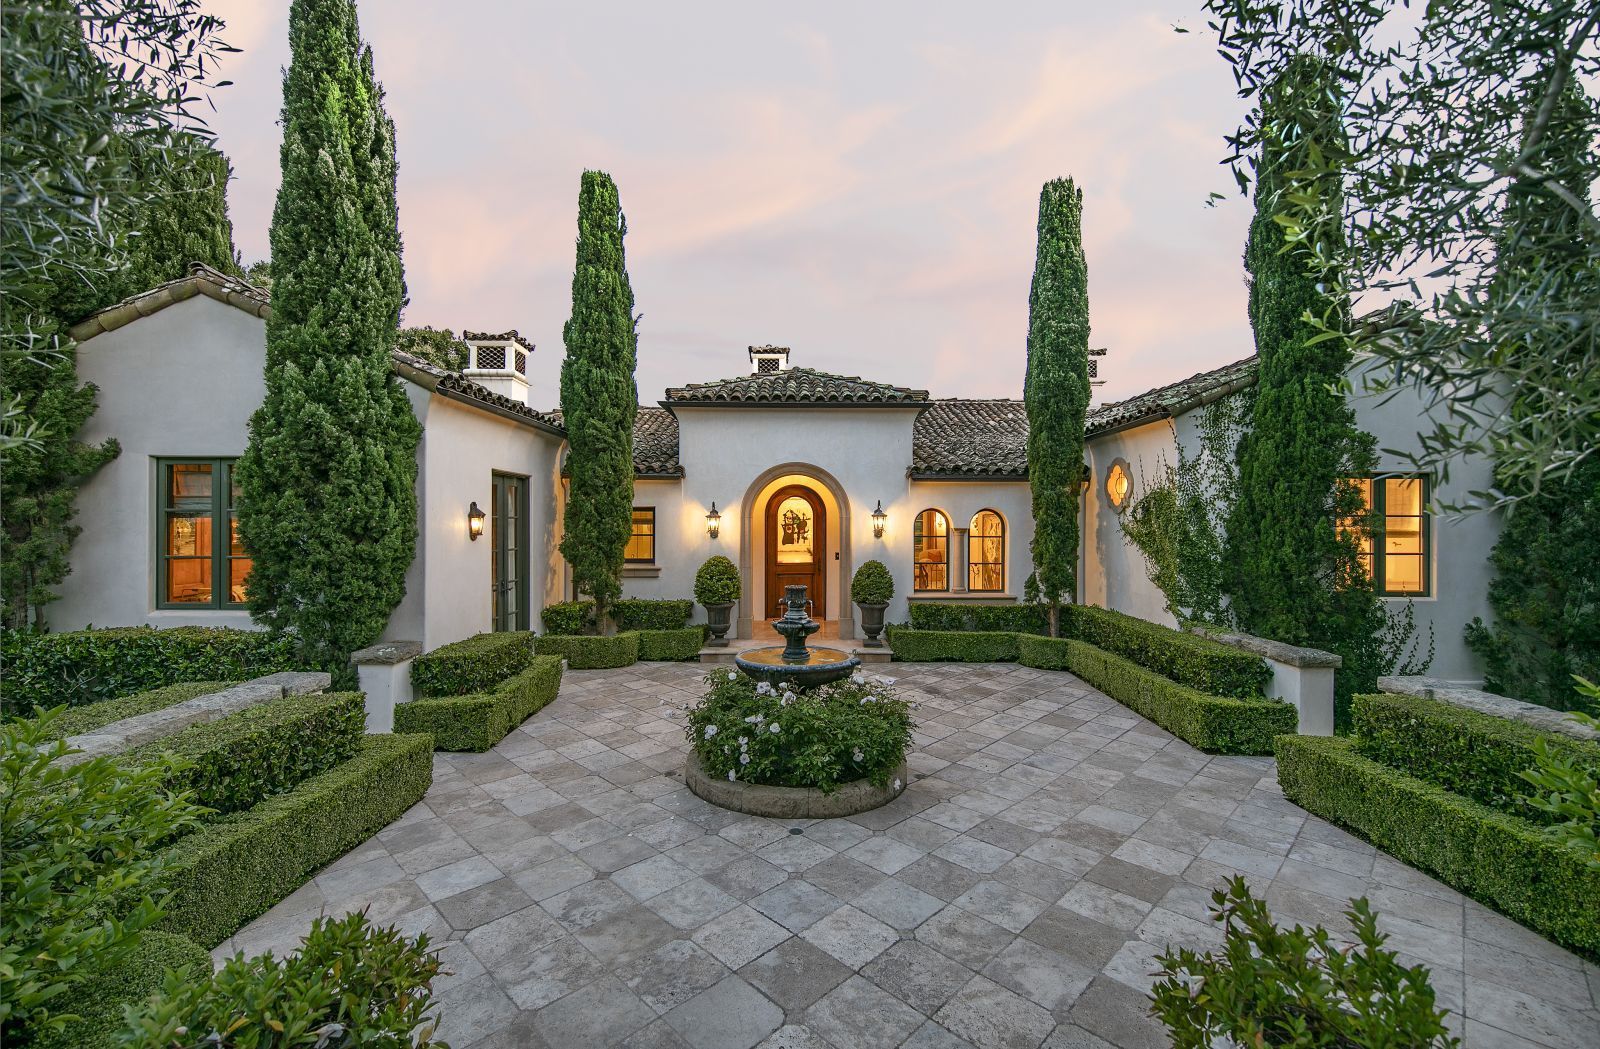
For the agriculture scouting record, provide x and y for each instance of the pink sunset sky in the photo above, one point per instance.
(857, 181)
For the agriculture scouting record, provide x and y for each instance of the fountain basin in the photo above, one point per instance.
(820, 666)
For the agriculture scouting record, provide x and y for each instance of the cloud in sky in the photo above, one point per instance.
(857, 181)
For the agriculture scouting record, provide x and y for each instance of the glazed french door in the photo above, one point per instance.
(510, 537)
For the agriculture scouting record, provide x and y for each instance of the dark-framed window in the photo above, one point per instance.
(986, 553)
(642, 543)
(930, 555)
(1397, 547)
(200, 562)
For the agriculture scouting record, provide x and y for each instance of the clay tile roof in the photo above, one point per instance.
(200, 280)
(1172, 399)
(655, 442)
(805, 386)
(504, 336)
(970, 438)
(457, 387)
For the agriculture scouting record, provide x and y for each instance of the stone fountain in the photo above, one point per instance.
(796, 663)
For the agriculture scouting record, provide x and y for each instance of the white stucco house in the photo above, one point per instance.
(936, 488)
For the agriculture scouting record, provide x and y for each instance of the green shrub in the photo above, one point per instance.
(717, 582)
(671, 646)
(593, 653)
(231, 871)
(1500, 860)
(350, 983)
(79, 846)
(872, 584)
(1568, 790)
(1044, 653)
(1476, 755)
(952, 646)
(478, 722)
(568, 617)
(941, 615)
(476, 664)
(1216, 724)
(231, 764)
(1188, 659)
(822, 737)
(83, 666)
(652, 613)
(78, 720)
(98, 1001)
(1293, 987)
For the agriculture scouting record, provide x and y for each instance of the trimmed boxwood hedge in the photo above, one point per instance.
(671, 646)
(587, 652)
(229, 872)
(652, 613)
(1188, 659)
(942, 615)
(478, 722)
(952, 646)
(1474, 754)
(568, 617)
(1043, 653)
(84, 666)
(1216, 724)
(475, 664)
(1500, 860)
(77, 720)
(98, 1001)
(234, 763)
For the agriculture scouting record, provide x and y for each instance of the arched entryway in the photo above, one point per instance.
(768, 559)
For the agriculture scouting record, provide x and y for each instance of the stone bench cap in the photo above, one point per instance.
(387, 652)
(1456, 695)
(1277, 651)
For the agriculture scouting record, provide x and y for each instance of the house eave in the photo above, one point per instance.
(430, 382)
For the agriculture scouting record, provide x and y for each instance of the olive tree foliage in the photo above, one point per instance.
(95, 93)
(1446, 108)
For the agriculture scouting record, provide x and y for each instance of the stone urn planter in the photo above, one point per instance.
(757, 799)
(872, 621)
(718, 619)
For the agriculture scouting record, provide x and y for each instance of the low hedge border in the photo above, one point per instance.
(942, 615)
(1215, 724)
(671, 646)
(229, 872)
(475, 664)
(1044, 653)
(78, 720)
(236, 762)
(1500, 860)
(478, 722)
(588, 652)
(83, 666)
(952, 646)
(1188, 659)
(569, 618)
(99, 1000)
(1471, 753)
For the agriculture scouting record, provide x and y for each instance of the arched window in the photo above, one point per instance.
(986, 553)
(931, 552)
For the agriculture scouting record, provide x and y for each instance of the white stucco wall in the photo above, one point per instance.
(959, 501)
(181, 382)
(1113, 571)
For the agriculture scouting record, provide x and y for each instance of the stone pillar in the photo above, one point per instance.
(384, 671)
(1301, 677)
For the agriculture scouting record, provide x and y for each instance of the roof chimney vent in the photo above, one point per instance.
(769, 359)
(498, 362)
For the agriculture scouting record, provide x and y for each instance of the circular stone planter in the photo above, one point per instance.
(757, 799)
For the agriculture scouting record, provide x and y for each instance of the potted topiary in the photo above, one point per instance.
(716, 586)
(871, 590)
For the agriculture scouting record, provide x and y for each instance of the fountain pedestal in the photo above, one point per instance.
(796, 663)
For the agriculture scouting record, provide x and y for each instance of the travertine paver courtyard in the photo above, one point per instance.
(1016, 895)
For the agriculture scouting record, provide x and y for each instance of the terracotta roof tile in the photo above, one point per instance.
(959, 437)
(1173, 398)
(200, 280)
(794, 386)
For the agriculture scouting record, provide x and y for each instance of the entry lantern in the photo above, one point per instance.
(879, 519)
(474, 521)
(713, 521)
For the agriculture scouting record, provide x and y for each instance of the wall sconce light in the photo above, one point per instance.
(713, 521)
(879, 519)
(474, 522)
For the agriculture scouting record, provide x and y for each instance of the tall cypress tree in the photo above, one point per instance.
(185, 220)
(1292, 574)
(599, 398)
(1546, 590)
(1056, 391)
(328, 481)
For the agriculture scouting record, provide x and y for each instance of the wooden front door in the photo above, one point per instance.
(797, 532)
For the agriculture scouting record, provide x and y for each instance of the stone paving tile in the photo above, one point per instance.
(1048, 846)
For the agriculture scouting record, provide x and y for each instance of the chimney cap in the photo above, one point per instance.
(769, 358)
